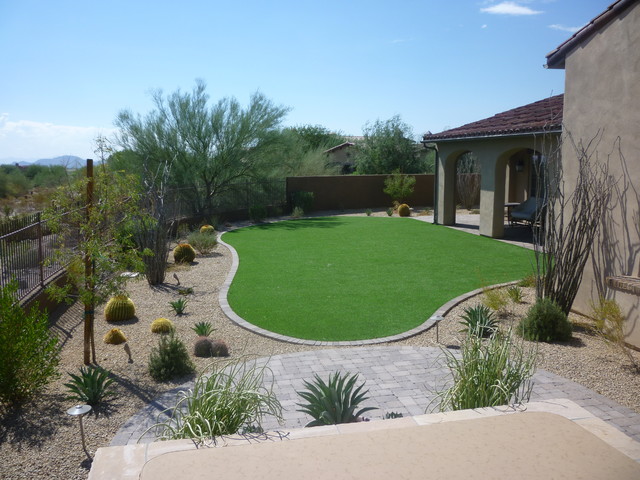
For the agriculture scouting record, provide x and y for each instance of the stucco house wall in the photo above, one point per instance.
(602, 100)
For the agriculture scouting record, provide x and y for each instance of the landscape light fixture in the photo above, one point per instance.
(437, 319)
(80, 411)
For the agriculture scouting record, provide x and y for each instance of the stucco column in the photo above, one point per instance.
(446, 187)
(491, 196)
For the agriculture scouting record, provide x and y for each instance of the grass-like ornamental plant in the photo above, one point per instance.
(179, 305)
(488, 373)
(29, 354)
(337, 401)
(203, 329)
(204, 243)
(609, 325)
(184, 253)
(91, 386)
(545, 322)
(514, 292)
(479, 321)
(170, 359)
(119, 309)
(162, 325)
(495, 299)
(228, 396)
(115, 336)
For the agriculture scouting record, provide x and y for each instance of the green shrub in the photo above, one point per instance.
(528, 281)
(29, 354)
(495, 299)
(404, 210)
(115, 336)
(334, 402)
(545, 322)
(515, 294)
(162, 325)
(399, 186)
(368, 212)
(204, 243)
(179, 305)
(170, 359)
(479, 321)
(488, 373)
(184, 253)
(91, 386)
(203, 329)
(232, 395)
(119, 309)
(257, 213)
(297, 213)
(302, 200)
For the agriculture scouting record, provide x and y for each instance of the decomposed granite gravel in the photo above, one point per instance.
(39, 440)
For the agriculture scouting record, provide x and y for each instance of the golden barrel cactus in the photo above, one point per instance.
(207, 229)
(404, 210)
(115, 336)
(184, 253)
(119, 309)
(161, 325)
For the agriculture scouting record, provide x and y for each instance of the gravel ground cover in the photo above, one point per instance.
(40, 441)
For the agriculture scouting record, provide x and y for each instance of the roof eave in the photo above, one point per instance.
(555, 129)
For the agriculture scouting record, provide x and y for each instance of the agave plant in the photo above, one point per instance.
(479, 321)
(91, 386)
(203, 329)
(334, 402)
(179, 305)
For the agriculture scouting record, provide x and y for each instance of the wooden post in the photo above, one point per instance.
(89, 343)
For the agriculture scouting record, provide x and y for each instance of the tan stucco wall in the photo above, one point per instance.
(602, 94)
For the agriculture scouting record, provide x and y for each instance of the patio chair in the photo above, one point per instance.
(529, 211)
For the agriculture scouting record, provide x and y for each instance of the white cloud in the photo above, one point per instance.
(555, 26)
(509, 8)
(33, 140)
(484, 26)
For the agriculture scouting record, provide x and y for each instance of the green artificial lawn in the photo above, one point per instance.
(354, 278)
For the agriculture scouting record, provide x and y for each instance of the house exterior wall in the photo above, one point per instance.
(602, 98)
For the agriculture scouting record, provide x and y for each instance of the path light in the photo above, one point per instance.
(80, 411)
(437, 319)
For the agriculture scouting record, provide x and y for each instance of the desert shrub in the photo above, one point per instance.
(231, 395)
(368, 212)
(495, 299)
(528, 281)
(210, 229)
(609, 325)
(115, 336)
(488, 373)
(257, 213)
(179, 305)
(184, 253)
(302, 200)
(399, 186)
(29, 354)
(479, 321)
(203, 329)
(91, 386)
(515, 294)
(170, 359)
(334, 402)
(205, 347)
(297, 212)
(404, 210)
(389, 211)
(545, 322)
(204, 243)
(119, 309)
(162, 325)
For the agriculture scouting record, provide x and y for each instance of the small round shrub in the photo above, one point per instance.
(115, 336)
(184, 253)
(204, 243)
(207, 229)
(404, 210)
(170, 359)
(162, 325)
(119, 309)
(205, 347)
(545, 322)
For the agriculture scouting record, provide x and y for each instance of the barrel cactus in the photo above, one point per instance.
(161, 325)
(205, 347)
(207, 229)
(115, 336)
(119, 309)
(184, 253)
(404, 211)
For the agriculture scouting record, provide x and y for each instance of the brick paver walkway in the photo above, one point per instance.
(400, 379)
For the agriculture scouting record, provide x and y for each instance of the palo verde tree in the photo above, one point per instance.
(87, 215)
(389, 146)
(208, 147)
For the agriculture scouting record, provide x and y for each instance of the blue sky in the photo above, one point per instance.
(68, 67)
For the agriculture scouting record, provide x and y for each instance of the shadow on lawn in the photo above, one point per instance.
(298, 224)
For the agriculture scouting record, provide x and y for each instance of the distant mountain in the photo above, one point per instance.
(69, 161)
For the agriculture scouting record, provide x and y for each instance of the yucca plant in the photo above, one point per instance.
(91, 386)
(515, 293)
(203, 329)
(225, 398)
(334, 402)
(479, 321)
(179, 305)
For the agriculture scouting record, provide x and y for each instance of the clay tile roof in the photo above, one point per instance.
(537, 117)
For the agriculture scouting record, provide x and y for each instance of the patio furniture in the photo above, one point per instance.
(529, 211)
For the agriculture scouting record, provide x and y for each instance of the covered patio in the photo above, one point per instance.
(509, 147)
